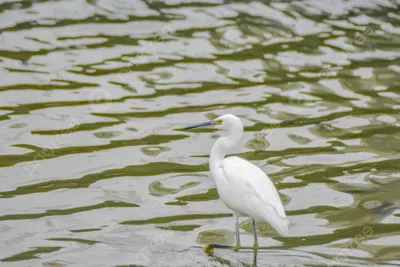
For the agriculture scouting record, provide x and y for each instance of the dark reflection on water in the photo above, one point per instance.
(94, 170)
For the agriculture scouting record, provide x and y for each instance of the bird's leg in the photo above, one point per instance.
(255, 236)
(255, 258)
(237, 247)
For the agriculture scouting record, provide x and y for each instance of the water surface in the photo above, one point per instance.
(93, 168)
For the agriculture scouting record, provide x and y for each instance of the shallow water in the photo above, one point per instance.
(95, 171)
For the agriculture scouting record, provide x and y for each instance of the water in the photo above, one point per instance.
(93, 168)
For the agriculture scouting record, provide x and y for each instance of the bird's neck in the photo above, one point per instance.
(223, 146)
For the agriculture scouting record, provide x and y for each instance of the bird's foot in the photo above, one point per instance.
(255, 246)
(237, 247)
(209, 250)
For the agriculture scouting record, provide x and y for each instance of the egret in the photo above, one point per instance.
(242, 186)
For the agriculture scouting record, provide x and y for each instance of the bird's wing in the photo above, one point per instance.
(252, 193)
(254, 180)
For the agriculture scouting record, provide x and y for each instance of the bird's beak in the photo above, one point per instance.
(199, 125)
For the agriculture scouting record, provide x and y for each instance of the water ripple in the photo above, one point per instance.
(93, 94)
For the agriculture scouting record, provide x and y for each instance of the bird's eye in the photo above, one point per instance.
(218, 121)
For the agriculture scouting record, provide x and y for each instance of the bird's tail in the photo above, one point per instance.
(281, 225)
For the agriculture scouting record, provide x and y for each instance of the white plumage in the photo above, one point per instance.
(250, 193)
(242, 186)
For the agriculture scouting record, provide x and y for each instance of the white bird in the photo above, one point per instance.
(241, 185)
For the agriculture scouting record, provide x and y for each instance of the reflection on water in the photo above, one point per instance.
(94, 170)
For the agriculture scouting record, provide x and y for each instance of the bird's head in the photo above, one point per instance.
(226, 122)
